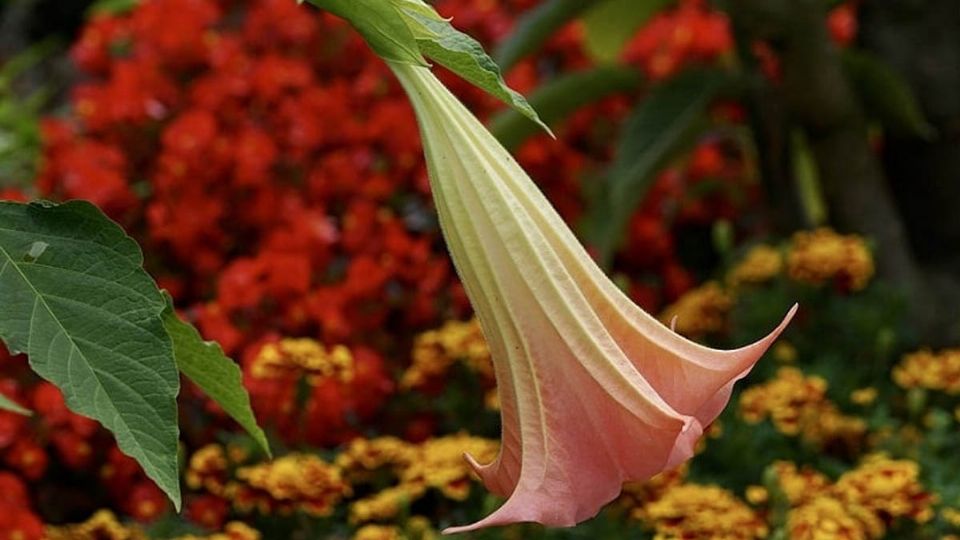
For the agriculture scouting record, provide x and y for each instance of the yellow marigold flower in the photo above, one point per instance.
(439, 464)
(103, 525)
(864, 396)
(824, 518)
(757, 495)
(637, 495)
(761, 264)
(234, 530)
(207, 469)
(819, 256)
(784, 352)
(436, 350)
(385, 504)
(696, 511)
(888, 487)
(303, 356)
(377, 532)
(924, 369)
(362, 456)
(797, 405)
(799, 486)
(951, 516)
(294, 482)
(700, 311)
(420, 528)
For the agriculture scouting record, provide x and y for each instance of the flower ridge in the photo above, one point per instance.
(593, 390)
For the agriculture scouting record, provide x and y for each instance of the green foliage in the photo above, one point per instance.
(807, 177)
(111, 7)
(204, 363)
(535, 27)
(11, 406)
(562, 96)
(885, 95)
(78, 302)
(381, 25)
(611, 23)
(19, 131)
(461, 54)
(661, 126)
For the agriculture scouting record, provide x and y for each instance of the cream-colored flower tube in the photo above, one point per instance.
(593, 390)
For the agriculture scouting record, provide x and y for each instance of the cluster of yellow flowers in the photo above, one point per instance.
(436, 463)
(761, 264)
(295, 482)
(821, 256)
(103, 525)
(234, 530)
(700, 311)
(416, 528)
(924, 369)
(435, 351)
(302, 356)
(703, 511)
(675, 509)
(861, 504)
(307, 483)
(798, 405)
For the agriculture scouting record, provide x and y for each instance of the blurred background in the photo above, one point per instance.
(721, 160)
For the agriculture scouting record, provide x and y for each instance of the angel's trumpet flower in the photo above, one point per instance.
(593, 391)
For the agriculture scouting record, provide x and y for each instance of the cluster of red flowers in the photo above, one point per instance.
(692, 32)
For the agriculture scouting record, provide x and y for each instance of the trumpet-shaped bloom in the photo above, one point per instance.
(593, 391)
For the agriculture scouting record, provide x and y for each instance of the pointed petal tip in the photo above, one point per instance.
(474, 464)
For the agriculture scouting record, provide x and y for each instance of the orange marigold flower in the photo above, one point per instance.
(698, 511)
(887, 487)
(700, 311)
(103, 525)
(932, 371)
(295, 482)
(819, 256)
(208, 469)
(798, 405)
(799, 486)
(234, 530)
(822, 518)
(436, 350)
(295, 356)
(378, 532)
(761, 264)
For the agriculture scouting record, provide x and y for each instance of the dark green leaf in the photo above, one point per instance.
(7, 404)
(461, 54)
(885, 95)
(78, 302)
(204, 363)
(661, 126)
(112, 7)
(381, 25)
(611, 23)
(535, 27)
(807, 178)
(559, 98)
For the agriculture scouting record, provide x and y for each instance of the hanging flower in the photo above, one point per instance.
(593, 391)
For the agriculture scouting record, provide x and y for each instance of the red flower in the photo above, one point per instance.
(13, 493)
(19, 524)
(208, 511)
(27, 457)
(145, 502)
